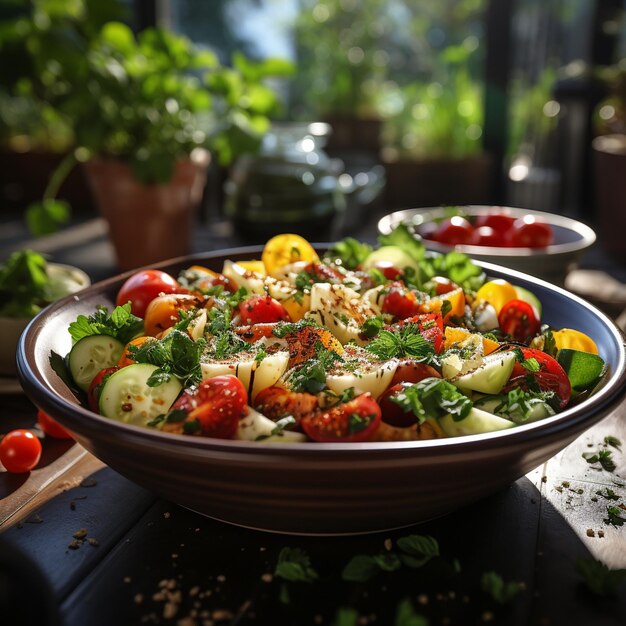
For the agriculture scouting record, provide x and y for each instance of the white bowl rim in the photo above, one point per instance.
(410, 217)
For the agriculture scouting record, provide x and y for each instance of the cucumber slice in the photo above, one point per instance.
(475, 423)
(126, 396)
(582, 368)
(537, 411)
(390, 255)
(90, 355)
(528, 296)
(491, 376)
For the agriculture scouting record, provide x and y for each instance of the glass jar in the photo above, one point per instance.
(291, 185)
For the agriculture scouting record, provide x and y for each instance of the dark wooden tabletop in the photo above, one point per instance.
(82, 545)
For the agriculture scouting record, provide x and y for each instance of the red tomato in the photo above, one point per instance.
(51, 427)
(392, 413)
(443, 285)
(20, 451)
(95, 388)
(356, 420)
(455, 231)
(322, 273)
(389, 271)
(218, 279)
(488, 236)
(261, 310)
(412, 371)
(143, 286)
(400, 301)
(528, 232)
(550, 377)
(519, 320)
(429, 230)
(217, 404)
(500, 222)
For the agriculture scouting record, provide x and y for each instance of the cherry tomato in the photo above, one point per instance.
(391, 412)
(528, 232)
(51, 427)
(262, 309)
(20, 451)
(455, 231)
(497, 293)
(412, 371)
(276, 402)
(205, 278)
(143, 286)
(214, 407)
(550, 377)
(519, 320)
(443, 285)
(400, 301)
(389, 271)
(356, 420)
(95, 388)
(429, 231)
(488, 236)
(162, 312)
(500, 222)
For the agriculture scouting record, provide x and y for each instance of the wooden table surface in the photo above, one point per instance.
(81, 545)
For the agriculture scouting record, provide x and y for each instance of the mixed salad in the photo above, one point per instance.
(359, 344)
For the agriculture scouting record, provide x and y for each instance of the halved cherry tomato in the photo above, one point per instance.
(412, 371)
(443, 285)
(392, 413)
(20, 451)
(162, 312)
(276, 402)
(497, 292)
(356, 420)
(127, 358)
(519, 320)
(143, 286)
(207, 278)
(389, 271)
(262, 309)
(400, 301)
(500, 222)
(95, 388)
(284, 249)
(528, 232)
(214, 408)
(550, 377)
(454, 231)
(51, 427)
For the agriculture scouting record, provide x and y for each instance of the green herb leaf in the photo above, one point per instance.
(294, 565)
(311, 375)
(346, 617)
(433, 397)
(418, 549)
(23, 282)
(599, 578)
(518, 404)
(614, 516)
(360, 569)
(604, 457)
(121, 324)
(387, 562)
(612, 441)
(350, 252)
(372, 326)
(501, 592)
(407, 341)
(47, 216)
(406, 615)
(608, 494)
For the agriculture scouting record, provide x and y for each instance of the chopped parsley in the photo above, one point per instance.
(294, 565)
(350, 252)
(612, 441)
(614, 516)
(372, 326)
(175, 355)
(518, 404)
(603, 457)
(311, 375)
(286, 328)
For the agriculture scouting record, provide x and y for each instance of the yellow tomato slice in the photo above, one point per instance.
(497, 292)
(284, 249)
(574, 340)
(456, 298)
(297, 307)
(256, 266)
(454, 335)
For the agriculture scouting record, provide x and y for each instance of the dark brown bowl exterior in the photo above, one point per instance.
(315, 488)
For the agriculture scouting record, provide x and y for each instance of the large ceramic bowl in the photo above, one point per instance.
(571, 240)
(314, 487)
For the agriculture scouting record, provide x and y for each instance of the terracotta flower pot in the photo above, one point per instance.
(148, 223)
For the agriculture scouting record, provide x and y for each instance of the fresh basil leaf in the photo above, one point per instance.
(294, 565)
(360, 569)
(501, 592)
(406, 615)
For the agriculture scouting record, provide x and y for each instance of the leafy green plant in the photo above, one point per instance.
(147, 100)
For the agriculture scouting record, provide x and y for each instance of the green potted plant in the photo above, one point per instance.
(145, 112)
(432, 138)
